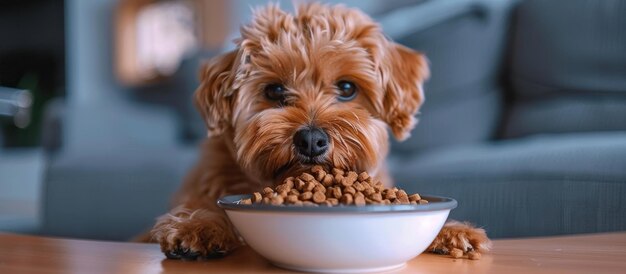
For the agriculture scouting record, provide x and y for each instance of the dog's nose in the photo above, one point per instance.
(311, 141)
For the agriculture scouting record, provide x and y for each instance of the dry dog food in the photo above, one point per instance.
(339, 187)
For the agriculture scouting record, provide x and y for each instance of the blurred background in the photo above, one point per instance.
(524, 122)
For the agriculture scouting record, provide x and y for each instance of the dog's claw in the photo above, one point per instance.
(438, 251)
(187, 254)
(172, 254)
(215, 254)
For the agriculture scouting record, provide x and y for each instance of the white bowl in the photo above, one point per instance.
(342, 239)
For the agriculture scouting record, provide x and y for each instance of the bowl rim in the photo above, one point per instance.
(436, 203)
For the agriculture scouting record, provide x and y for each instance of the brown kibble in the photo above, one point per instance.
(379, 186)
(473, 255)
(306, 196)
(353, 176)
(309, 203)
(328, 180)
(414, 197)
(331, 188)
(456, 253)
(309, 186)
(359, 200)
(326, 203)
(401, 193)
(319, 197)
(347, 182)
(377, 197)
(283, 187)
(337, 192)
(390, 194)
(363, 176)
(319, 188)
(337, 171)
(317, 169)
(349, 189)
(402, 196)
(306, 177)
(359, 186)
(369, 191)
(256, 197)
(338, 178)
(292, 199)
(321, 175)
(277, 200)
(299, 184)
(346, 199)
(290, 182)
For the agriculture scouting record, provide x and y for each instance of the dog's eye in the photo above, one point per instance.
(347, 90)
(275, 92)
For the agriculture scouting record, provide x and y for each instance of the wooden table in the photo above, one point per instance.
(595, 253)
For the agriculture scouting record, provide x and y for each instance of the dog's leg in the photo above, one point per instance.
(187, 233)
(457, 239)
(197, 227)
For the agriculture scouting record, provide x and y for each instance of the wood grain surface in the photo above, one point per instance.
(593, 253)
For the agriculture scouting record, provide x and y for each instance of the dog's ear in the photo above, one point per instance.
(213, 98)
(403, 72)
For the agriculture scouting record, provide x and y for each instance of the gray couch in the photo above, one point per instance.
(524, 124)
(530, 137)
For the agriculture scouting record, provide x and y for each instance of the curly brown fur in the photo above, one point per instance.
(457, 239)
(250, 142)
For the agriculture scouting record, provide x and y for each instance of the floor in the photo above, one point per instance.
(21, 174)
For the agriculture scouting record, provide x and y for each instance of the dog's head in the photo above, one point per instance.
(318, 87)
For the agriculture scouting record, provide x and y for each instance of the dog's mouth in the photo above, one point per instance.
(299, 164)
(280, 171)
(311, 161)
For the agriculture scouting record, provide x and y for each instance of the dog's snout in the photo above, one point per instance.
(311, 141)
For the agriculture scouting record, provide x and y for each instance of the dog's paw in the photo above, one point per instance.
(195, 235)
(457, 239)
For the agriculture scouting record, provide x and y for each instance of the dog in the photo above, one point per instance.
(322, 86)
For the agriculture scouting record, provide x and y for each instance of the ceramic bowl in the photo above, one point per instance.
(341, 239)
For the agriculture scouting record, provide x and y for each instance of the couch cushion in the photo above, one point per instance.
(567, 113)
(113, 194)
(577, 58)
(463, 93)
(542, 185)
